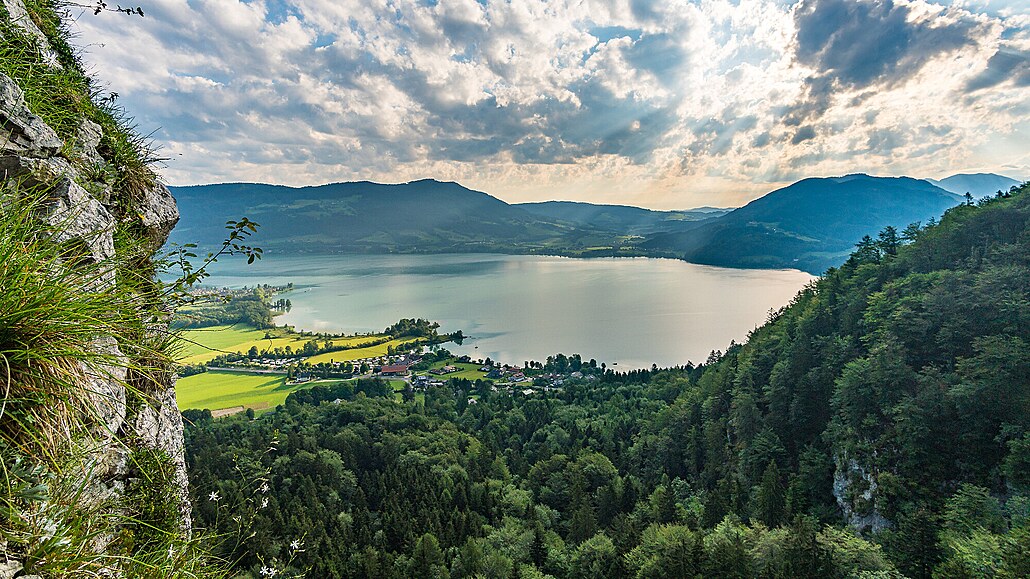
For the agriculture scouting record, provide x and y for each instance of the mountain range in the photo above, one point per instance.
(810, 225)
(976, 184)
(363, 217)
(620, 218)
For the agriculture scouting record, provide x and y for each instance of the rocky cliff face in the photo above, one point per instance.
(130, 414)
(855, 490)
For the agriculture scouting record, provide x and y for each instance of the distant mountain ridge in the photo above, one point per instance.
(364, 217)
(811, 225)
(976, 184)
(624, 219)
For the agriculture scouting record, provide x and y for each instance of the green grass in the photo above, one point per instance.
(357, 353)
(466, 370)
(216, 390)
(398, 392)
(198, 343)
(202, 345)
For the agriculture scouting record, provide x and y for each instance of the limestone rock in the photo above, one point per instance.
(859, 507)
(106, 390)
(21, 131)
(81, 219)
(159, 214)
(158, 425)
(9, 569)
(34, 172)
(87, 139)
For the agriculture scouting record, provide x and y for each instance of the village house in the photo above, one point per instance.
(394, 370)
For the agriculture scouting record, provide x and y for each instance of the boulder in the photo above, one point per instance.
(22, 132)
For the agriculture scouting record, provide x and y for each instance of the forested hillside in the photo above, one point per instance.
(621, 219)
(416, 217)
(810, 225)
(891, 399)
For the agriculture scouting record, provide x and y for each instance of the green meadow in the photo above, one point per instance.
(202, 345)
(357, 353)
(466, 370)
(205, 344)
(214, 390)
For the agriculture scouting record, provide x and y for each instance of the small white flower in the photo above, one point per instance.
(265, 488)
(171, 552)
(213, 497)
(264, 502)
(295, 545)
(268, 571)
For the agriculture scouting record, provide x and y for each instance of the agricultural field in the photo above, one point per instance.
(215, 390)
(205, 344)
(466, 370)
(359, 353)
(202, 345)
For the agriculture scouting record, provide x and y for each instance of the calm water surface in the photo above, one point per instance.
(630, 311)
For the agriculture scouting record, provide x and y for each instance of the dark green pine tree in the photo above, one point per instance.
(538, 548)
(914, 544)
(583, 524)
(666, 511)
(770, 497)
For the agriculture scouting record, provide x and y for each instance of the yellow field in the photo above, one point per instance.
(356, 354)
(205, 344)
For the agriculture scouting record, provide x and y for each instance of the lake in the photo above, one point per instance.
(633, 312)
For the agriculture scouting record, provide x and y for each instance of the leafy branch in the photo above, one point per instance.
(102, 6)
(181, 255)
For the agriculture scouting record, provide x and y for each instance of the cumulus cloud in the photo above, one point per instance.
(853, 45)
(1007, 64)
(659, 104)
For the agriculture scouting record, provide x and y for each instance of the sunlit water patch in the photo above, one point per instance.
(631, 312)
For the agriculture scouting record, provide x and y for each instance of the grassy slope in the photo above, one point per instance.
(214, 390)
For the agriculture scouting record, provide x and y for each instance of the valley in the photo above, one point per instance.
(874, 427)
(782, 365)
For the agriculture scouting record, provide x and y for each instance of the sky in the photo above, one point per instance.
(667, 105)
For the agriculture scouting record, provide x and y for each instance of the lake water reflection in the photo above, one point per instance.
(629, 311)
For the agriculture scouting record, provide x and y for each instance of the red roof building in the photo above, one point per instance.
(394, 370)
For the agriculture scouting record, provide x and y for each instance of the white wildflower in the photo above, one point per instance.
(268, 571)
(213, 497)
(264, 502)
(295, 545)
(264, 488)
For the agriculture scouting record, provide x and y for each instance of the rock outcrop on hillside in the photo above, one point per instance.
(129, 414)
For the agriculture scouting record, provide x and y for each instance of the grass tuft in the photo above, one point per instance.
(61, 314)
(63, 96)
(52, 319)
